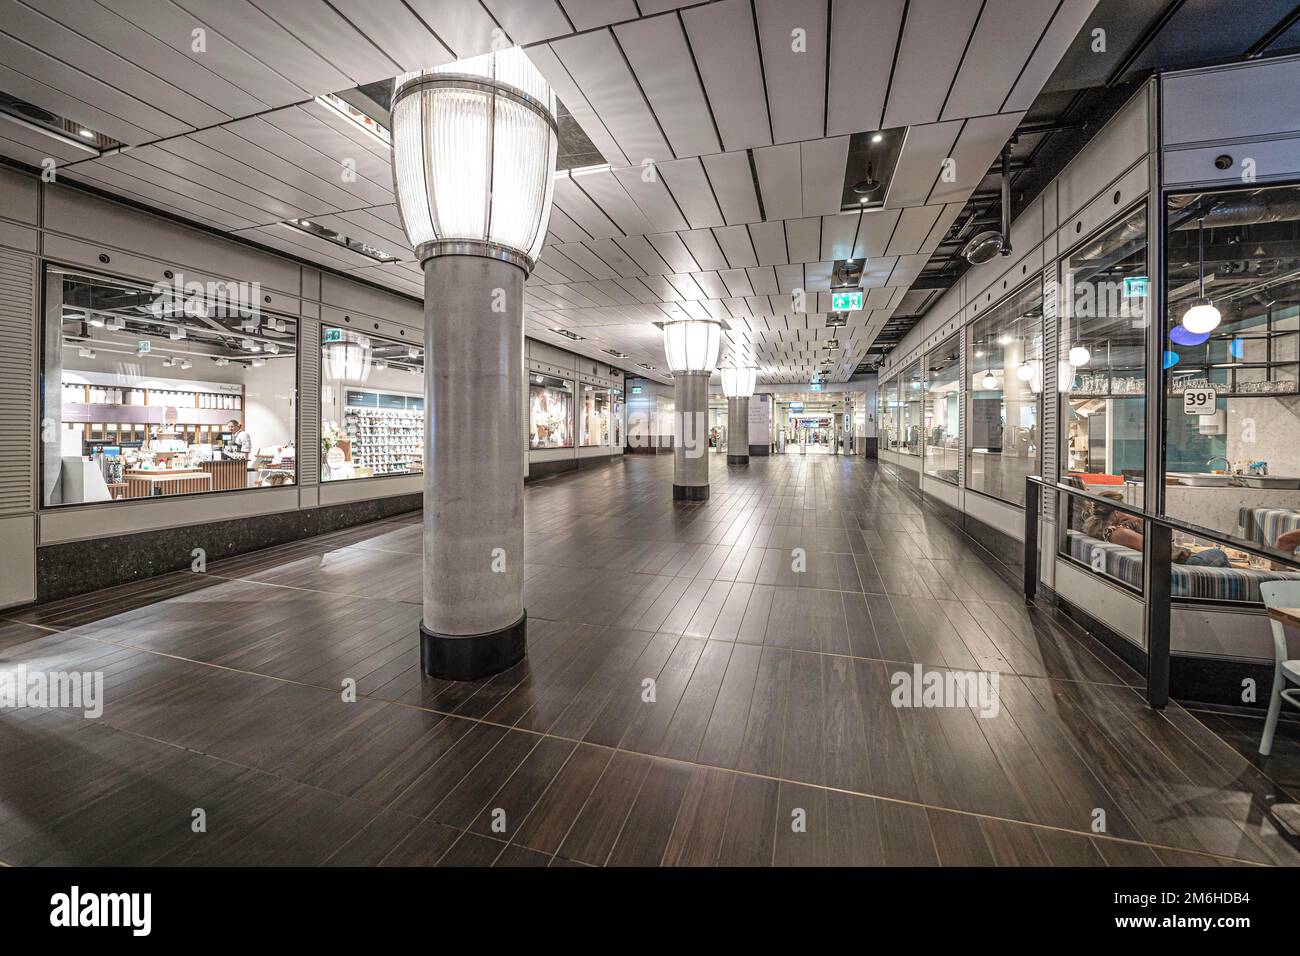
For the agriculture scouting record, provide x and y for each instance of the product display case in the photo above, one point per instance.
(550, 412)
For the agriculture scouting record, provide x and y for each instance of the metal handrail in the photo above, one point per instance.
(1157, 564)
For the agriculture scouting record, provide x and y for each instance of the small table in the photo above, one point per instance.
(148, 484)
(1289, 616)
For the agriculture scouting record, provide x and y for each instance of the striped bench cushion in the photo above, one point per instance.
(1264, 525)
(1187, 581)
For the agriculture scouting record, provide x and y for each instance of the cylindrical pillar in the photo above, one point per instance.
(691, 445)
(738, 431)
(474, 621)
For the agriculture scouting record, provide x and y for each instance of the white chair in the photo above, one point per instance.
(1280, 594)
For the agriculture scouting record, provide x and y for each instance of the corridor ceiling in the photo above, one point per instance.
(725, 127)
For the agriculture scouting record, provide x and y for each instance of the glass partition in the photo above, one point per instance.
(173, 389)
(550, 412)
(942, 408)
(595, 417)
(371, 407)
(1006, 359)
(911, 411)
(889, 415)
(1232, 443)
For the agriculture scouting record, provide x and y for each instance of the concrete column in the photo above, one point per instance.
(474, 621)
(691, 448)
(738, 431)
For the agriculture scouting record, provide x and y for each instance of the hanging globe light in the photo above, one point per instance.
(1079, 356)
(1202, 318)
(990, 380)
(1025, 371)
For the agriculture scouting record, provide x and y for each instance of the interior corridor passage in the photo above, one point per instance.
(770, 737)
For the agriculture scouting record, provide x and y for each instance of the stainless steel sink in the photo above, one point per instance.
(1276, 482)
(1201, 479)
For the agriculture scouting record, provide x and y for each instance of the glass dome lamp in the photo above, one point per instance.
(1079, 356)
(1025, 371)
(691, 345)
(474, 149)
(738, 382)
(990, 381)
(1202, 318)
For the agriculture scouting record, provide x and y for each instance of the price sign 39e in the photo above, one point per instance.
(1199, 401)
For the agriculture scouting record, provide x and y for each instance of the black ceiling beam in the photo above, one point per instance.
(1260, 46)
(1144, 41)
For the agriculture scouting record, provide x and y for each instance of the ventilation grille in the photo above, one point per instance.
(17, 383)
(309, 402)
(964, 441)
(1049, 437)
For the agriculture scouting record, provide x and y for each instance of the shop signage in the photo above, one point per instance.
(331, 335)
(144, 345)
(796, 406)
(846, 301)
(1136, 287)
(1199, 401)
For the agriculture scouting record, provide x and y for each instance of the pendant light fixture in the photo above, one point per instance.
(1079, 356)
(1202, 317)
(990, 381)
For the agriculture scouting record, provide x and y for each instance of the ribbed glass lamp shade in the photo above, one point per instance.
(474, 147)
(691, 345)
(738, 382)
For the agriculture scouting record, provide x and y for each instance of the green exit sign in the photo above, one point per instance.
(846, 301)
(636, 389)
(1136, 287)
(331, 335)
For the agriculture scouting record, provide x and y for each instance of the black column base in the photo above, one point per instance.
(737, 459)
(690, 492)
(471, 656)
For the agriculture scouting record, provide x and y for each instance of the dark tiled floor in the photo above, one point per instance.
(770, 738)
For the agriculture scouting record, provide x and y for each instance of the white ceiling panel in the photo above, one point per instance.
(529, 22)
(822, 164)
(598, 67)
(913, 226)
(941, 226)
(563, 228)
(763, 280)
(934, 35)
(924, 150)
(323, 30)
(107, 45)
(792, 35)
(652, 197)
(261, 36)
(733, 185)
(690, 187)
(712, 284)
(862, 60)
(906, 271)
(463, 26)
(607, 193)
(657, 50)
(789, 278)
(736, 246)
(644, 255)
(1064, 28)
(732, 73)
(838, 233)
(1004, 39)
(704, 249)
(581, 257)
(586, 14)
(980, 142)
(670, 247)
(568, 92)
(579, 207)
(34, 148)
(874, 233)
(324, 131)
(769, 242)
(780, 180)
(393, 28)
(614, 255)
(803, 239)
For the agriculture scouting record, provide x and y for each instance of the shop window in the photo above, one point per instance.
(372, 406)
(942, 411)
(911, 412)
(617, 397)
(1006, 359)
(595, 416)
(550, 412)
(889, 417)
(1232, 369)
(179, 388)
(1101, 377)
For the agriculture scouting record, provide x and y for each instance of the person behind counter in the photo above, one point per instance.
(241, 443)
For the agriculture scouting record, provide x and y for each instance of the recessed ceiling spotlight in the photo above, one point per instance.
(877, 138)
(257, 362)
(86, 133)
(221, 361)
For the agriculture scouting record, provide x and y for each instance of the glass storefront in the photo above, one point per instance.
(183, 388)
(595, 416)
(372, 406)
(942, 411)
(1232, 425)
(1006, 360)
(889, 417)
(617, 397)
(550, 412)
